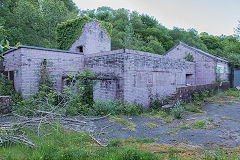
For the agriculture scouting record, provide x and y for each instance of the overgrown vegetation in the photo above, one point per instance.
(62, 144)
(6, 89)
(68, 145)
(189, 57)
(68, 32)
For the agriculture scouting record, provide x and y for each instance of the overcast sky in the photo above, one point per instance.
(213, 16)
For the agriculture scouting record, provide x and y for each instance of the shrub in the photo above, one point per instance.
(132, 109)
(115, 108)
(204, 94)
(177, 111)
(196, 97)
(79, 93)
(232, 92)
(7, 89)
(157, 104)
(105, 107)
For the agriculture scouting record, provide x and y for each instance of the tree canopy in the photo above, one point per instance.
(34, 22)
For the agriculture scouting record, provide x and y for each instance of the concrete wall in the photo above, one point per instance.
(29, 64)
(93, 39)
(223, 70)
(205, 66)
(150, 76)
(140, 75)
(13, 62)
(185, 94)
(108, 64)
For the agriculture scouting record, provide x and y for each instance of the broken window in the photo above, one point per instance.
(80, 49)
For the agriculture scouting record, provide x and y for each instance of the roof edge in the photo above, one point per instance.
(196, 50)
(40, 48)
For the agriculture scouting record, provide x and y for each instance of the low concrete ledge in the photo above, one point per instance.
(185, 94)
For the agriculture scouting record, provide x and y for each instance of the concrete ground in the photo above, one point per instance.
(222, 127)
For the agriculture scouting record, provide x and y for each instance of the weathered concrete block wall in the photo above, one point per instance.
(205, 66)
(108, 64)
(185, 94)
(140, 75)
(13, 63)
(154, 76)
(105, 89)
(29, 65)
(93, 39)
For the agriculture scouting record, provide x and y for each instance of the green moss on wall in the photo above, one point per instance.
(68, 32)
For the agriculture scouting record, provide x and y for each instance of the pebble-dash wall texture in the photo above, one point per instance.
(127, 75)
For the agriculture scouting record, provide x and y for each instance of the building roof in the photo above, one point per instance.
(40, 48)
(198, 51)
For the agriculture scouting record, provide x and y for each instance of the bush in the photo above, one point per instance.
(106, 107)
(196, 97)
(157, 104)
(177, 111)
(133, 109)
(115, 108)
(233, 92)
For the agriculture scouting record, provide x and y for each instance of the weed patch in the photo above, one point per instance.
(121, 121)
(151, 125)
(199, 124)
(183, 127)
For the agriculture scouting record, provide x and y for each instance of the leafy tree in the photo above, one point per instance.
(33, 22)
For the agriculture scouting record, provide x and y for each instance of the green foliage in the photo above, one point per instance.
(115, 108)
(62, 144)
(177, 111)
(189, 57)
(68, 32)
(210, 119)
(193, 109)
(232, 92)
(7, 89)
(183, 127)
(34, 22)
(157, 104)
(196, 97)
(106, 107)
(198, 124)
(79, 92)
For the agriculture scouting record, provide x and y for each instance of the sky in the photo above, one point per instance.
(215, 17)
